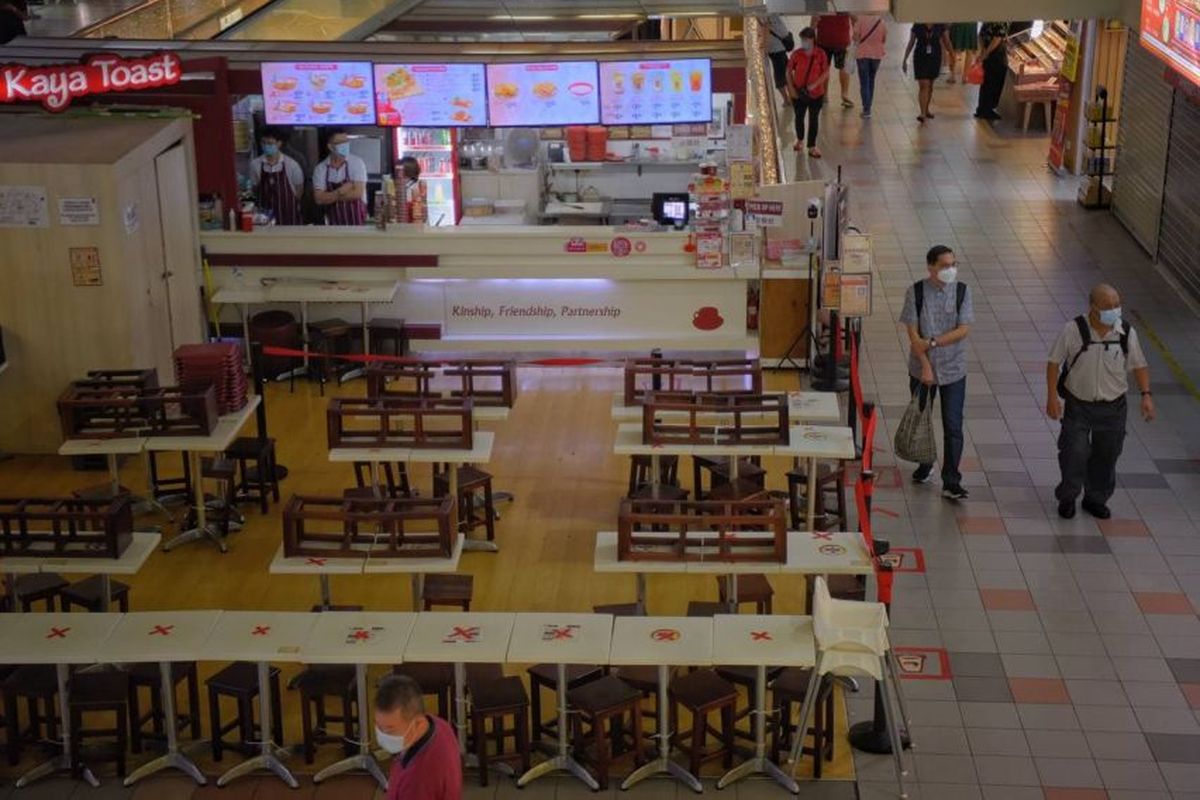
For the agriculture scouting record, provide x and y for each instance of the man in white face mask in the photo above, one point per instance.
(1096, 353)
(426, 764)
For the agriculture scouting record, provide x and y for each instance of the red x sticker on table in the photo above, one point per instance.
(665, 634)
(161, 630)
(822, 537)
(761, 636)
(58, 633)
(462, 635)
(552, 633)
(260, 630)
(317, 562)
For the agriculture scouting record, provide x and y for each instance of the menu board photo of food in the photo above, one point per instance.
(655, 91)
(431, 95)
(318, 93)
(556, 93)
(1171, 29)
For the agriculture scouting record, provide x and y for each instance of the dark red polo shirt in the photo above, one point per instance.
(430, 769)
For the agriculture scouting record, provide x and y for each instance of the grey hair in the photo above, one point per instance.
(399, 693)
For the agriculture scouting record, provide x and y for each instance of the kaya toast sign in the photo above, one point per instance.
(56, 85)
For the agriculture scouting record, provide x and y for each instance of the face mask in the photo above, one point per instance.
(947, 274)
(1110, 317)
(342, 149)
(806, 45)
(270, 149)
(393, 744)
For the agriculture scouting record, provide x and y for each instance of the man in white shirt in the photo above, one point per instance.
(1096, 353)
(340, 183)
(780, 42)
(278, 179)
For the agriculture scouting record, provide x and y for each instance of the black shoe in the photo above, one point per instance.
(923, 474)
(1066, 509)
(1097, 510)
(953, 492)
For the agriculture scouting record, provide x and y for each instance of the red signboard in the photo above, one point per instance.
(1171, 30)
(55, 86)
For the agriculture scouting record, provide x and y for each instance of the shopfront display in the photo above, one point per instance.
(431, 95)
(555, 93)
(318, 93)
(1171, 30)
(654, 92)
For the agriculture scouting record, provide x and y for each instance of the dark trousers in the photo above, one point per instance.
(867, 68)
(1088, 448)
(954, 398)
(812, 107)
(994, 73)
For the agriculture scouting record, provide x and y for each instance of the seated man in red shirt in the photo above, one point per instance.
(427, 764)
(834, 34)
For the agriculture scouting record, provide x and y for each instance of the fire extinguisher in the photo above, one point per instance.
(752, 308)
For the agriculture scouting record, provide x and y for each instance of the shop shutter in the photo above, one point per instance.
(1144, 125)
(1179, 236)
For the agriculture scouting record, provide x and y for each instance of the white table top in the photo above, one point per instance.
(599, 209)
(315, 565)
(358, 637)
(136, 555)
(344, 455)
(259, 636)
(161, 636)
(820, 441)
(561, 639)
(490, 413)
(88, 447)
(480, 453)
(58, 638)
(341, 291)
(605, 559)
(20, 565)
(629, 443)
(833, 553)
(460, 637)
(377, 565)
(218, 441)
(773, 640)
(813, 407)
(671, 641)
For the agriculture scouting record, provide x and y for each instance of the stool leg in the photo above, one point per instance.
(638, 752)
(489, 510)
(214, 723)
(193, 693)
(135, 717)
(276, 711)
(477, 727)
(306, 723)
(535, 706)
(698, 723)
(728, 732)
(122, 727)
(263, 465)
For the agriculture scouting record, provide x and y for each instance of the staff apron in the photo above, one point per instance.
(276, 193)
(343, 212)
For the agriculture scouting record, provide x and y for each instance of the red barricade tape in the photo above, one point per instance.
(289, 352)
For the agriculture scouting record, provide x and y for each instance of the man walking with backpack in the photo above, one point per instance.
(938, 314)
(1096, 354)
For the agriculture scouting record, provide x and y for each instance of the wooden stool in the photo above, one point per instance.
(171, 487)
(664, 502)
(788, 689)
(745, 678)
(831, 496)
(395, 481)
(149, 676)
(494, 700)
(705, 608)
(327, 338)
(752, 588)
(254, 481)
(98, 693)
(315, 684)
(620, 610)
(704, 692)
(240, 681)
(387, 329)
(545, 676)
(448, 590)
(645, 680)
(434, 679)
(719, 470)
(220, 508)
(87, 594)
(605, 700)
(40, 587)
(639, 472)
(38, 686)
(471, 479)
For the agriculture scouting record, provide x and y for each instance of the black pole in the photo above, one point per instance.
(260, 388)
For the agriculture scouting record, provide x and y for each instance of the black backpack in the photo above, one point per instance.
(788, 42)
(1085, 335)
(960, 292)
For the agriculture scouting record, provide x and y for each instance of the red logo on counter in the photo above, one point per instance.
(639, 247)
(620, 247)
(57, 85)
(665, 635)
(576, 244)
(707, 318)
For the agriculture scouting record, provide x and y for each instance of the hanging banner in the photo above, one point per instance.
(1058, 134)
(57, 85)
(764, 213)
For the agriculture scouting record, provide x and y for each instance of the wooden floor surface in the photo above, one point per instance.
(554, 453)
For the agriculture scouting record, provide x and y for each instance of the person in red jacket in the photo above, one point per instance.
(834, 34)
(427, 764)
(808, 75)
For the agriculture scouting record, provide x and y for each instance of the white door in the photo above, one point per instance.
(180, 245)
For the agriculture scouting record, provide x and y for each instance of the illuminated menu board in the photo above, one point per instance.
(656, 91)
(558, 93)
(1171, 30)
(318, 93)
(431, 95)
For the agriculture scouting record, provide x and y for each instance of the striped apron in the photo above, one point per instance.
(343, 212)
(275, 192)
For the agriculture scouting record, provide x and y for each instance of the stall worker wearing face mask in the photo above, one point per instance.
(278, 179)
(426, 764)
(340, 183)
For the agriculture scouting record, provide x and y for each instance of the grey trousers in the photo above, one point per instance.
(1088, 448)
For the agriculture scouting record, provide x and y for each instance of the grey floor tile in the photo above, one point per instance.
(1185, 670)
(1175, 748)
(1168, 720)
(1154, 695)
(997, 742)
(1118, 746)
(1011, 793)
(1087, 692)
(950, 791)
(982, 690)
(1180, 777)
(976, 665)
(990, 715)
(1108, 718)
(1048, 717)
(1029, 666)
(1142, 669)
(947, 741)
(938, 768)
(1069, 772)
(1007, 771)
(1141, 775)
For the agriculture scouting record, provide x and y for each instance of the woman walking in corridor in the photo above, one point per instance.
(929, 41)
(870, 36)
(808, 70)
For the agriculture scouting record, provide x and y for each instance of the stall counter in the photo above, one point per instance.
(508, 288)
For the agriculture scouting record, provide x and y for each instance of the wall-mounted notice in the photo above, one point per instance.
(431, 95)
(85, 266)
(78, 211)
(553, 93)
(656, 91)
(318, 93)
(23, 207)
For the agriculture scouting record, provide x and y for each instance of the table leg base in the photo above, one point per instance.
(195, 535)
(352, 374)
(503, 497)
(175, 760)
(867, 738)
(363, 762)
(265, 761)
(559, 763)
(59, 763)
(480, 545)
(145, 505)
(663, 766)
(759, 766)
(471, 761)
(298, 372)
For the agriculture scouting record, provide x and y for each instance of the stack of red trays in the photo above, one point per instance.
(218, 364)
